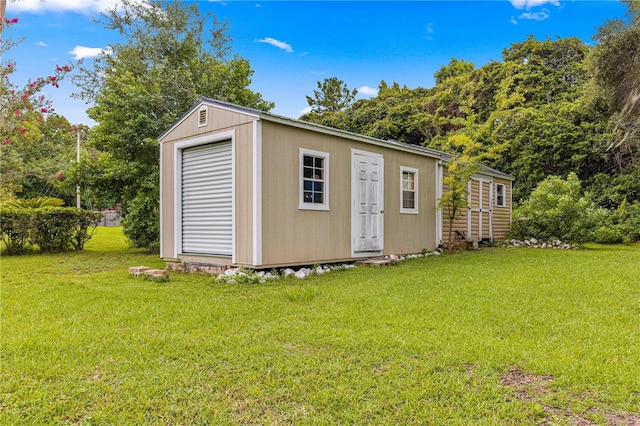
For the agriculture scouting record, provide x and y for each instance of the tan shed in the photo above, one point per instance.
(244, 187)
(488, 213)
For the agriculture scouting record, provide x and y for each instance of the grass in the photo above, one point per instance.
(426, 342)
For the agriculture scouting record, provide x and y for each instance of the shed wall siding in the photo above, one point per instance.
(167, 184)
(502, 215)
(293, 236)
(219, 120)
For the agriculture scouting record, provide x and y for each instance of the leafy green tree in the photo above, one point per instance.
(461, 166)
(143, 85)
(616, 69)
(30, 157)
(540, 72)
(455, 68)
(332, 96)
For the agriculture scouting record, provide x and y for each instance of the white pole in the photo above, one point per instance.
(78, 160)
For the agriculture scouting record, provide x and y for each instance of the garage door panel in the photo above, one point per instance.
(207, 199)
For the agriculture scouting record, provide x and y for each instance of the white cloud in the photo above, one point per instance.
(429, 29)
(277, 43)
(513, 20)
(41, 44)
(304, 111)
(80, 52)
(537, 16)
(87, 7)
(528, 4)
(369, 91)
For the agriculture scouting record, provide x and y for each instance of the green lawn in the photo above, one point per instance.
(500, 336)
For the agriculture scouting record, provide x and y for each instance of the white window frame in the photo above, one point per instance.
(504, 195)
(206, 116)
(413, 171)
(314, 206)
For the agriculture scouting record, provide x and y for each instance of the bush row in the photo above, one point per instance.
(558, 208)
(46, 229)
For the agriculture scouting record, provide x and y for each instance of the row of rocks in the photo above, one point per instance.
(535, 243)
(414, 256)
(246, 276)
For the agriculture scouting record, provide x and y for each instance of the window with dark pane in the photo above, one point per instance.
(500, 195)
(408, 190)
(313, 179)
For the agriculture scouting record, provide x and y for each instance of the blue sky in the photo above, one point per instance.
(293, 44)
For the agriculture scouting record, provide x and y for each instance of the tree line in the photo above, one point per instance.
(549, 107)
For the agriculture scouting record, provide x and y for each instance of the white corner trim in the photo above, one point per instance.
(439, 189)
(161, 200)
(257, 193)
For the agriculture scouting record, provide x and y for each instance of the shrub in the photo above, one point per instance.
(34, 203)
(50, 229)
(15, 225)
(53, 228)
(621, 225)
(558, 208)
(141, 223)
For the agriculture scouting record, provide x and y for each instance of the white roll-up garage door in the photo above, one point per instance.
(207, 211)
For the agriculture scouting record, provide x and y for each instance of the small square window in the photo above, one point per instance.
(500, 195)
(408, 190)
(314, 183)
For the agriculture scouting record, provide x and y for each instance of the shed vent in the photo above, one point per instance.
(202, 117)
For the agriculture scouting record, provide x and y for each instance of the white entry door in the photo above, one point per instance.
(367, 213)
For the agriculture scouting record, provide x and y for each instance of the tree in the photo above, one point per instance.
(28, 155)
(332, 96)
(455, 68)
(616, 69)
(143, 85)
(461, 166)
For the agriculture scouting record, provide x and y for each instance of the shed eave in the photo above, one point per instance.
(398, 146)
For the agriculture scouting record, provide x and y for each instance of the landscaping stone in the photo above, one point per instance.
(137, 270)
(155, 272)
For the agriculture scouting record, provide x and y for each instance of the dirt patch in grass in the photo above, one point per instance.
(533, 387)
(627, 419)
(527, 386)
